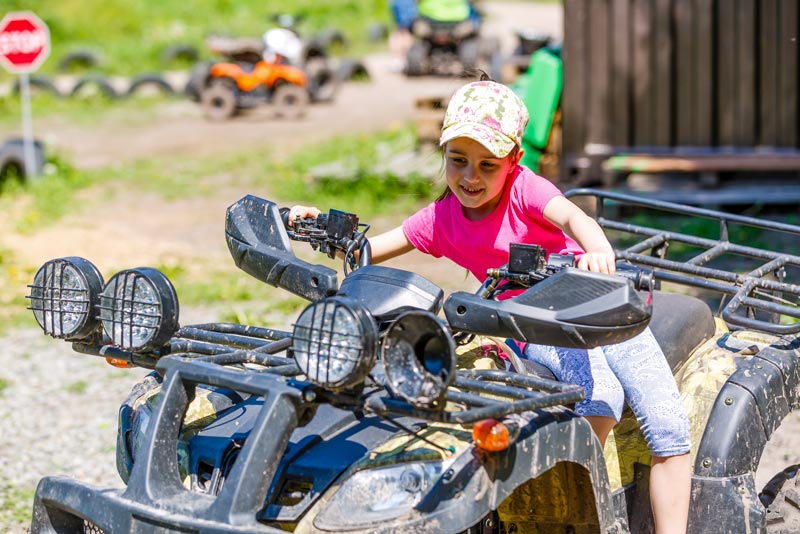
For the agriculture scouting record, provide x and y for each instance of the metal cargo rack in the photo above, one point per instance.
(766, 297)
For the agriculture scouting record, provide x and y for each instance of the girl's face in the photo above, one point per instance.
(475, 176)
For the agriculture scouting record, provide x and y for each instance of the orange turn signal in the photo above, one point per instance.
(491, 435)
(119, 363)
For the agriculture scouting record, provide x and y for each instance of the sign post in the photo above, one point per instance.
(24, 45)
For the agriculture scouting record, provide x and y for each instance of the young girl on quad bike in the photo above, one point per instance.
(490, 202)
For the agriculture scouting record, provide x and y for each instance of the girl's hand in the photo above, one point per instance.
(303, 212)
(599, 262)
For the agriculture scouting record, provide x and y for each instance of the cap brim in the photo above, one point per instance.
(495, 142)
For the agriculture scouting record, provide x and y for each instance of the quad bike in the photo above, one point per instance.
(449, 48)
(230, 87)
(258, 67)
(378, 413)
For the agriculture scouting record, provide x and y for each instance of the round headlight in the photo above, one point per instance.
(139, 309)
(334, 343)
(418, 358)
(63, 295)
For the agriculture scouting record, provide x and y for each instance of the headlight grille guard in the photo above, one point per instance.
(473, 395)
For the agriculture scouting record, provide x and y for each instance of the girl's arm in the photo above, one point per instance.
(384, 246)
(599, 255)
(389, 244)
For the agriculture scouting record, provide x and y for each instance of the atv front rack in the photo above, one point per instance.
(473, 396)
(762, 298)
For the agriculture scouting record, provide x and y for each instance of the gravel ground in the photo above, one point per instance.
(58, 417)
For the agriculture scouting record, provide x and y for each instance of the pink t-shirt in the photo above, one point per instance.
(440, 229)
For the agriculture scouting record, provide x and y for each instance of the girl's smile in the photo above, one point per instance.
(476, 176)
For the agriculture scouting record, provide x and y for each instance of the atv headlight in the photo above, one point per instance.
(139, 309)
(62, 297)
(418, 358)
(334, 342)
(372, 496)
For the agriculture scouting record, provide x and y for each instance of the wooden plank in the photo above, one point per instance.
(576, 84)
(747, 72)
(620, 116)
(704, 73)
(704, 163)
(663, 80)
(643, 101)
(726, 72)
(789, 74)
(598, 98)
(685, 73)
(768, 75)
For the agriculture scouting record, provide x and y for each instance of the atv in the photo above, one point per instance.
(389, 408)
(232, 87)
(255, 69)
(451, 47)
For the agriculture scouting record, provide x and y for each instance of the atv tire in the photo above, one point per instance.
(322, 81)
(41, 84)
(469, 54)
(154, 81)
(290, 100)
(94, 86)
(781, 498)
(219, 100)
(417, 59)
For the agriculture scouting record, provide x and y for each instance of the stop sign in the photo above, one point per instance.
(24, 41)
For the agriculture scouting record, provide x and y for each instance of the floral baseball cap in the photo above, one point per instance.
(488, 112)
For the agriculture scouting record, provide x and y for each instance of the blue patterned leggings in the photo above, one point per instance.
(635, 371)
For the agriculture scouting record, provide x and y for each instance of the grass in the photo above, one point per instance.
(370, 194)
(132, 37)
(43, 203)
(79, 387)
(15, 507)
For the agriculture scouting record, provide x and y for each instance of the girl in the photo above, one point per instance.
(491, 201)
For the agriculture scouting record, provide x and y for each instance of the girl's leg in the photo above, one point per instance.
(653, 396)
(670, 489)
(605, 397)
(602, 426)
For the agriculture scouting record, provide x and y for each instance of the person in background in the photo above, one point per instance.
(403, 13)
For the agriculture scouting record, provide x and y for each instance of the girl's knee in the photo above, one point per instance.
(668, 437)
(604, 398)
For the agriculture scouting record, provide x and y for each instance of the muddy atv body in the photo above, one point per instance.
(390, 408)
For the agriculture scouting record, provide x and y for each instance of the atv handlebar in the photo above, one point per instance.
(331, 233)
(529, 264)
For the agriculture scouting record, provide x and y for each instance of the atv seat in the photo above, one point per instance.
(680, 323)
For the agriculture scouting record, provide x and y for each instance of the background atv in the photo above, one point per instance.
(231, 87)
(246, 59)
(250, 429)
(448, 48)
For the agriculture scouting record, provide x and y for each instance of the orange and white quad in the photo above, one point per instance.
(233, 86)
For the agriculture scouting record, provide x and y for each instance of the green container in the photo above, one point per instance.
(540, 89)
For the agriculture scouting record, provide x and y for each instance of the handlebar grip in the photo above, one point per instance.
(285, 216)
(643, 279)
